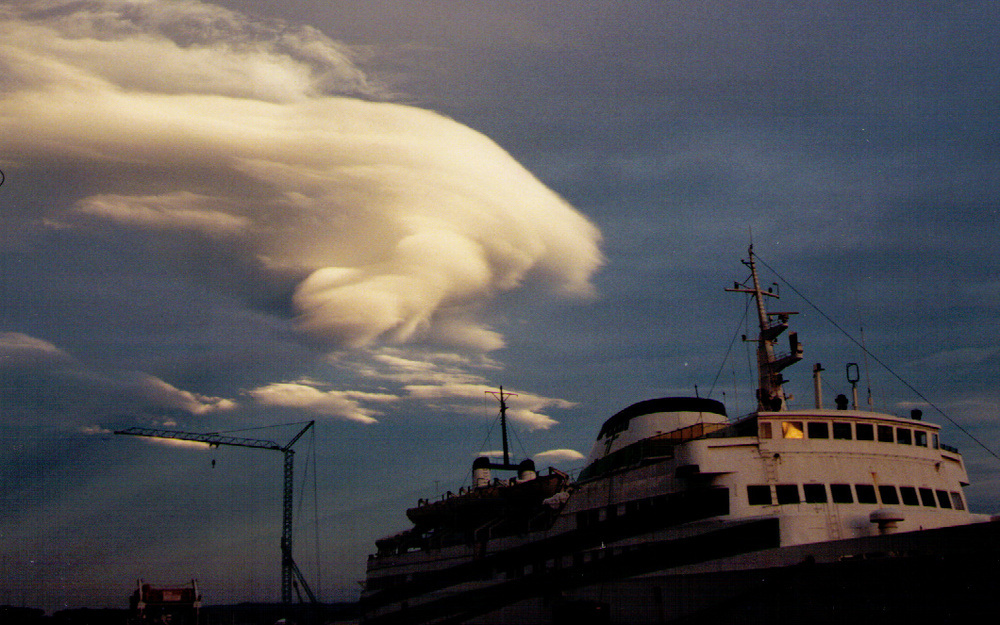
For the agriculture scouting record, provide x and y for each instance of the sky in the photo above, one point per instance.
(243, 216)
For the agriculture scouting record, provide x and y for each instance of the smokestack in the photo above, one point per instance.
(481, 475)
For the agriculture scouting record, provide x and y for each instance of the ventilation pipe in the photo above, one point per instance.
(818, 385)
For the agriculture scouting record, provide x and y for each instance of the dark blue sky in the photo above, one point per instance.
(218, 217)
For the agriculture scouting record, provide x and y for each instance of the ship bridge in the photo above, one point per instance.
(649, 430)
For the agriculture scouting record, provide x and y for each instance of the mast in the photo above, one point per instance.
(502, 397)
(770, 391)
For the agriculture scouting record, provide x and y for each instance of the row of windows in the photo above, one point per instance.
(662, 510)
(845, 430)
(760, 495)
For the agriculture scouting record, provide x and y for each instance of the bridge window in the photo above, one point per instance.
(791, 429)
(888, 495)
(943, 499)
(758, 495)
(904, 436)
(920, 438)
(865, 431)
(866, 493)
(927, 497)
(842, 431)
(909, 495)
(787, 493)
(765, 429)
(885, 434)
(814, 493)
(841, 493)
(818, 429)
(956, 499)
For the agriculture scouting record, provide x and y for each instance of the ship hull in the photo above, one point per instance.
(945, 573)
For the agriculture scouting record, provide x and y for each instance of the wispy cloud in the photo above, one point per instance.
(44, 382)
(559, 455)
(339, 404)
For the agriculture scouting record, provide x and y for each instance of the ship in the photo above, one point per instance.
(682, 514)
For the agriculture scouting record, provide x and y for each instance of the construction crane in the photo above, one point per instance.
(290, 572)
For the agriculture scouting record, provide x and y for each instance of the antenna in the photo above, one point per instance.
(868, 371)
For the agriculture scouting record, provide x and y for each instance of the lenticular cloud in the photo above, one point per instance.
(193, 119)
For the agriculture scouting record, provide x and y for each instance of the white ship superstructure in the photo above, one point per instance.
(679, 508)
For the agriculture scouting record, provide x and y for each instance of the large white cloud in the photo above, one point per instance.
(405, 222)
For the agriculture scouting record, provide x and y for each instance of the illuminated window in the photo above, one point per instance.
(842, 431)
(791, 429)
(866, 493)
(814, 493)
(758, 495)
(904, 436)
(865, 431)
(787, 493)
(888, 495)
(909, 495)
(841, 493)
(818, 429)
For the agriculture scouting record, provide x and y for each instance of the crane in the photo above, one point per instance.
(289, 570)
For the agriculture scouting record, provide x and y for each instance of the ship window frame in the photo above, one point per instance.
(864, 431)
(866, 493)
(885, 434)
(842, 431)
(818, 429)
(956, 500)
(908, 495)
(944, 499)
(841, 493)
(764, 429)
(920, 438)
(792, 430)
(904, 436)
(783, 493)
(814, 493)
(936, 441)
(756, 495)
(927, 497)
(888, 495)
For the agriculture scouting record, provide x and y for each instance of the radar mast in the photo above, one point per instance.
(770, 391)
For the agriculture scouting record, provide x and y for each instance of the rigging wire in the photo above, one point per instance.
(879, 361)
(730, 348)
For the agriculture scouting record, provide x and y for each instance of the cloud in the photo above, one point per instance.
(42, 381)
(180, 210)
(340, 404)
(559, 455)
(20, 350)
(523, 407)
(157, 392)
(405, 224)
(960, 357)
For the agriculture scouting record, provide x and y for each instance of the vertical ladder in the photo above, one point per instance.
(833, 521)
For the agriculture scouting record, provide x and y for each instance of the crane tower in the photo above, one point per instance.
(290, 572)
